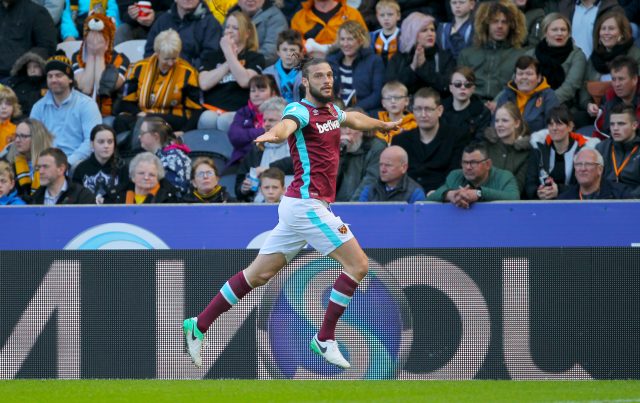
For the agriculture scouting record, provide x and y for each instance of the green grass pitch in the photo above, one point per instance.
(317, 391)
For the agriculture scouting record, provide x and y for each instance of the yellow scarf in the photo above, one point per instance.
(23, 174)
(133, 198)
(204, 197)
(161, 98)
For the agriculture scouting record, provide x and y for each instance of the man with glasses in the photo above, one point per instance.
(588, 167)
(477, 181)
(55, 189)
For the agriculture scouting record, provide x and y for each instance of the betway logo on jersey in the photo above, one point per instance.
(330, 125)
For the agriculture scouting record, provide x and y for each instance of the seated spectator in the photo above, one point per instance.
(9, 111)
(286, 70)
(463, 110)
(358, 72)
(103, 172)
(620, 152)
(55, 189)
(393, 183)
(54, 7)
(205, 183)
(76, 12)
(8, 192)
(551, 161)
(477, 181)
(98, 69)
(534, 12)
(530, 91)
(272, 185)
(458, 34)
(66, 112)
(199, 32)
(147, 183)
(588, 166)
(318, 22)
(561, 62)
(162, 85)
(384, 41)
(135, 22)
(226, 73)
(420, 63)
(31, 138)
(395, 101)
(433, 148)
(28, 80)
(156, 137)
(248, 122)
(499, 31)
(269, 22)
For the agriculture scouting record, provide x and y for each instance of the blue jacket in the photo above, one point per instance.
(67, 24)
(12, 199)
(368, 77)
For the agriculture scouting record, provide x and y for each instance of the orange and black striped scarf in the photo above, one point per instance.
(160, 101)
(23, 174)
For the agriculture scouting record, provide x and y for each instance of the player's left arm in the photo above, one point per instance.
(360, 121)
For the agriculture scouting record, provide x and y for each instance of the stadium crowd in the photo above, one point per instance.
(498, 100)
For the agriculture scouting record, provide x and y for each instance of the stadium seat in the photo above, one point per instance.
(134, 49)
(597, 89)
(208, 142)
(229, 182)
(69, 48)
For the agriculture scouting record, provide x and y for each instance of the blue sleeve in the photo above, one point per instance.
(299, 112)
(112, 11)
(417, 195)
(364, 195)
(67, 27)
(342, 116)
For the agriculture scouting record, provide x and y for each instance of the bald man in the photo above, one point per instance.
(393, 184)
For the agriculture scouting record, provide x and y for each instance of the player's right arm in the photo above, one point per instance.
(279, 132)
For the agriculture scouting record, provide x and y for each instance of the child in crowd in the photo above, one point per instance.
(458, 34)
(285, 71)
(384, 41)
(272, 185)
(395, 100)
(8, 193)
(9, 110)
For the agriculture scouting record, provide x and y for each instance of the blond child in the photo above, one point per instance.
(8, 193)
(384, 41)
(395, 100)
(458, 34)
(9, 110)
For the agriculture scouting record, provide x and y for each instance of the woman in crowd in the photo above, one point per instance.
(147, 183)
(205, 183)
(358, 72)
(103, 172)
(420, 63)
(550, 167)
(226, 73)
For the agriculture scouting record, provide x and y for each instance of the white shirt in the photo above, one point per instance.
(582, 26)
(52, 200)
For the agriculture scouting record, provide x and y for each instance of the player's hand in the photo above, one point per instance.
(267, 137)
(390, 126)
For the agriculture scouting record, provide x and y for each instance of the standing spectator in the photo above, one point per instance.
(286, 71)
(28, 80)
(226, 73)
(420, 63)
(269, 22)
(357, 71)
(135, 22)
(272, 185)
(458, 34)
(199, 32)
(76, 12)
(56, 189)
(8, 193)
(499, 31)
(205, 183)
(534, 12)
(588, 165)
(384, 41)
(395, 101)
(9, 111)
(54, 7)
(24, 26)
(393, 183)
(66, 112)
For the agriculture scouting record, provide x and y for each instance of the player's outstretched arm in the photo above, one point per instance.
(362, 122)
(279, 132)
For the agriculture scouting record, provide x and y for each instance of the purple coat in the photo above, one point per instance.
(242, 133)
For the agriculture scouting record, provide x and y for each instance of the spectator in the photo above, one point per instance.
(54, 7)
(433, 148)
(226, 73)
(477, 181)
(9, 111)
(205, 183)
(248, 122)
(420, 63)
(66, 112)
(8, 193)
(162, 85)
(499, 31)
(530, 91)
(286, 71)
(384, 41)
(588, 165)
(393, 183)
(458, 34)
(354, 58)
(561, 63)
(620, 152)
(156, 137)
(76, 12)
(32, 137)
(98, 69)
(359, 158)
(550, 164)
(103, 172)
(395, 101)
(199, 32)
(135, 22)
(272, 185)
(463, 110)
(24, 27)
(53, 167)
(508, 142)
(28, 80)
(268, 21)
(148, 184)
(318, 22)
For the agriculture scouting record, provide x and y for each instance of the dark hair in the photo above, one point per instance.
(101, 127)
(158, 125)
(265, 81)
(524, 62)
(58, 156)
(466, 71)
(625, 61)
(476, 145)
(206, 161)
(560, 114)
(622, 108)
(428, 92)
(307, 63)
(273, 173)
(114, 161)
(290, 36)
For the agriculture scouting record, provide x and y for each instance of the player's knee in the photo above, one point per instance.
(360, 267)
(261, 278)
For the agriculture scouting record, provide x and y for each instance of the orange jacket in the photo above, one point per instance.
(305, 20)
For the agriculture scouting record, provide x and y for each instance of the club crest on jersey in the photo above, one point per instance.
(343, 229)
(328, 126)
(315, 112)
